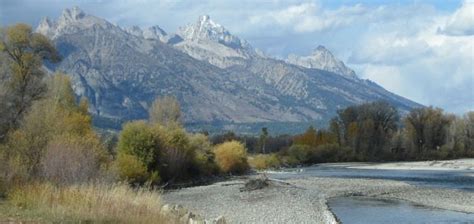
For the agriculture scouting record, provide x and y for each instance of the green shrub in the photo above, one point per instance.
(140, 148)
(231, 157)
(176, 157)
(301, 153)
(139, 140)
(326, 153)
(288, 161)
(203, 162)
(131, 169)
(169, 151)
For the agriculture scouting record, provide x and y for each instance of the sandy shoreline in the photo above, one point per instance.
(304, 201)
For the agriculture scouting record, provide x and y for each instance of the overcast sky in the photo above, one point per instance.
(422, 50)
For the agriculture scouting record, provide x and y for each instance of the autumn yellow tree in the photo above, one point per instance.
(54, 122)
(165, 111)
(23, 53)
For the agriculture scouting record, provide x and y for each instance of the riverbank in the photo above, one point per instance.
(303, 199)
(458, 164)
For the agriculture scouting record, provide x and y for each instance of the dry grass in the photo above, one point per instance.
(115, 203)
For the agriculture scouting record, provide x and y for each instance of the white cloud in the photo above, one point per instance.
(391, 48)
(461, 22)
(308, 17)
(387, 76)
(431, 67)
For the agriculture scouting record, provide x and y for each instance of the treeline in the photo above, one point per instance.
(373, 132)
(376, 132)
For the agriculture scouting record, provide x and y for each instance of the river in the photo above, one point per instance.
(374, 210)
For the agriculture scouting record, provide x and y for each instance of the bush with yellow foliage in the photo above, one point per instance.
(264, 161)
(231, 157)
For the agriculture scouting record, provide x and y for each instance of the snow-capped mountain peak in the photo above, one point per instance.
(209, 41)
(322, 58)
(205, 29)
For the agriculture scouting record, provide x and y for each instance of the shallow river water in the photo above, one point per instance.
(460, 180)
(363, 210)
(367, 210)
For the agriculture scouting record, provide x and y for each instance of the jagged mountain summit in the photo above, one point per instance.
(322, 58)
(206, 29)
(217, 77)
(210, 41)
(71, 21)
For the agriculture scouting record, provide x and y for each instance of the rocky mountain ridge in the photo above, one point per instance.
(217, 77)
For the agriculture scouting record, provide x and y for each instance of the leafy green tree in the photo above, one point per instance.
(131, 169)
(23, 53)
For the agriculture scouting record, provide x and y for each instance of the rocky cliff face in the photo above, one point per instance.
(206, 40)
(322, 58)
(217, 77)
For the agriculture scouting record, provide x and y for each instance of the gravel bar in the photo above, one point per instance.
(304, 200)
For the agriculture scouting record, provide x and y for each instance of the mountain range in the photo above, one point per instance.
(220, 79)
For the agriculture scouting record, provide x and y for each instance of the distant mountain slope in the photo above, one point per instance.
(217, 77)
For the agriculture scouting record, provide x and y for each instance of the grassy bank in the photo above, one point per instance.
(115, 203)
